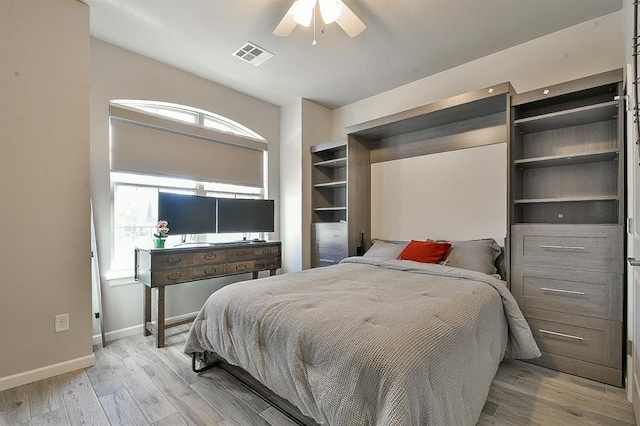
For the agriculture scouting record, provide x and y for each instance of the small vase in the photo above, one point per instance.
(158, 243)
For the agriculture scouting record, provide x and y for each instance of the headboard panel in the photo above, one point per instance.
(455, 195)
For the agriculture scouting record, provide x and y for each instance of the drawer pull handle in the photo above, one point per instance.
(210, 271)
(266, 251)
(557, 290)
(327, 260)
(172, 260)
(562, 247)
(209, 256)
(174, 275)
(241, 253)
(241, 267)
(633, 261)
(568, 336)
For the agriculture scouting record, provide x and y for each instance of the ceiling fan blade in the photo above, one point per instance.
(287, 24)
(349, 22)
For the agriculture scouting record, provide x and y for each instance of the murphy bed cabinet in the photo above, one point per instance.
(341, 170)
(337, 219)
(567, 216)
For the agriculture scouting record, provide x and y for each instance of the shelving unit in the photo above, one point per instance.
(566, 214)
(329, 182)
(329, 202)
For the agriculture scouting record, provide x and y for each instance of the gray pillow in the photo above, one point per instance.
(386, 249)
(474, 255)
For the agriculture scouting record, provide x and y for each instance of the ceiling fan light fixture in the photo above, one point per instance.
(302, 12)
(330, 10)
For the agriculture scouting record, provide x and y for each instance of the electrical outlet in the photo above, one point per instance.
(62, 322)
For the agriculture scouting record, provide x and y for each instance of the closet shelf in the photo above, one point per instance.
(336, 184)
(328, 209)
(568, 159)
(332, 164)
(568, 118)
(566, 199)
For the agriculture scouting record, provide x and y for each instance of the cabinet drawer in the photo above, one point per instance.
(590, 247)
(161, 261)
(324, 262)
(161, 278)
(240, 267)
(210, 256)
(329, 256)
(587, 339)
(321, 261)
(270, 251)
(329, 228)
(208, 271)
(594, 294)
(262, 264)
(239, 254)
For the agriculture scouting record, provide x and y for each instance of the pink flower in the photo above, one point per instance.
(162, 229)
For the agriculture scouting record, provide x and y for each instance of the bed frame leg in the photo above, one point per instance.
(205, 368)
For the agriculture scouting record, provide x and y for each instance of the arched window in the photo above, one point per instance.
(190, 115)
(153, 151)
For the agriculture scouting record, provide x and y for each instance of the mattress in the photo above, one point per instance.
(369, 341)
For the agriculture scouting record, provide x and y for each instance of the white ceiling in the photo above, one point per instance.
(405, 40)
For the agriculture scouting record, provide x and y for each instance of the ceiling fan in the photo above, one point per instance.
(302, 11)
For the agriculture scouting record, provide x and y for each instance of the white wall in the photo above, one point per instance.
(304, 124)
(633, 203)
(120, 74)
(44, 188)
(316, 128)
(291, 186)
(454, 195)
(585, 49)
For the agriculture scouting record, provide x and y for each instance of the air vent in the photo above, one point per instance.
(253, 54)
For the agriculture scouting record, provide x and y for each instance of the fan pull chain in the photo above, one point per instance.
(314, 26)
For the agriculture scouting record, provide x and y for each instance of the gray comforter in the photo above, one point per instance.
(369, 341)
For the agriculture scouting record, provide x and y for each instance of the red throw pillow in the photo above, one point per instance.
(425, 251)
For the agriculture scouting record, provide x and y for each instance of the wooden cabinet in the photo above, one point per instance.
(159, 268)
(162, 267)
(567, 213)
(329, 242)
(340, 199)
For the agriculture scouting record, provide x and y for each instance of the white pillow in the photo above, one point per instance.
(474, 255)
(386, 249)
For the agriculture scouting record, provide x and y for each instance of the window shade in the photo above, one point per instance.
(142, 143)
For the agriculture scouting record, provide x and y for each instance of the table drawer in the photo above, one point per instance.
(239, 254)
(240, 267)
(590, 247)
(209, 271)
(209, 256)
(587, 339)
(175, 276)
(594, 294)
(262, 264)
(269, 251)
(171, 260)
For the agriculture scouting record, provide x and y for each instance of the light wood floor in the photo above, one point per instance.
(134, 383)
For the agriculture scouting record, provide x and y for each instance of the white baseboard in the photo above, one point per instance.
(46, 372)
(130, 331)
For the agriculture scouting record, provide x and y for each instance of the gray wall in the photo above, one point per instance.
(44, 185)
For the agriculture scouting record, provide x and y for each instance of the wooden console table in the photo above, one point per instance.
(158, 268)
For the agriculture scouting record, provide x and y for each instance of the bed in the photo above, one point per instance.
(371, 341)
